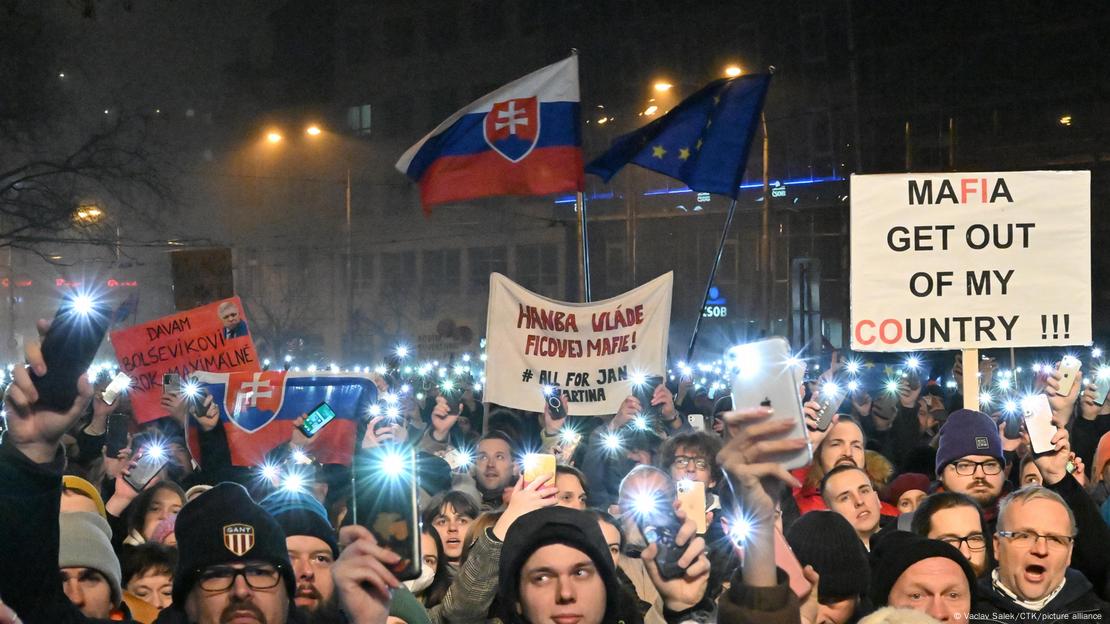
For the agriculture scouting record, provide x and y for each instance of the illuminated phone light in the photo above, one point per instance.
(296, 369)
(447, 386)
(375, 410)
(548, 390)
(466, 357)
(405, 388)
(83, 304)
(671, 377)
(300, 457)
(419, 396)
(1038, 367)
(334, 368)
(645, 503)
(156, 451)
(638, 379)
(1010, 406)
(853, 385)
(1003, 384)
(443, 372)
(191, 389)
(482, 357)
(912, 362)
(391, 398)
(570, 436)
(401, 351)
(312, 368)
(1086, 381)
(393, 464)
(1096, 352)
(381, 369)
(393, 412)
(269, 472)
(530, 460)
(477, 387)
(891, 386)
(739, 530)
(461, 370)
(288, 359)
(1017, 370)
(852, 367)
(641, 423)
(293, 482)
(266, 362)
(985, 399)
(1103, 372)
(612, 441)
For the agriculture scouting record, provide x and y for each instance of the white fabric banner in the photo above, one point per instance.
(971, 260)
(591, 350)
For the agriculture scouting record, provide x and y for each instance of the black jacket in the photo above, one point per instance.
(1077, 597)
(1090, 554)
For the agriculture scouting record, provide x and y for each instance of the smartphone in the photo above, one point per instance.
(118, 384)
(538, 466)
(317, 418)
(117, 434)
(831, 394)
(660, 527)
(1012, 430)
(553, 398)
(788, 562)
(644, 392)
(1069, 368)
(171, 384)
(68, 348)
(691, 498)
(765, 378)
(1102, 384)
(384, 500)
(1038, 422)
(458, 460)
(697, 421)
(146, 468)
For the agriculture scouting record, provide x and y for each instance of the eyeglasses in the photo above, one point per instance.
(222, 578)
(975, 542)
(682, 461)
(967, 468)
(1026, 539)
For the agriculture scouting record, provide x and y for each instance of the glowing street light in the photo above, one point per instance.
(313, 130)
(273, 136)
(733, 71)
(663, 86)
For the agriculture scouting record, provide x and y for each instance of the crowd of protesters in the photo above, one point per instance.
(912, 510)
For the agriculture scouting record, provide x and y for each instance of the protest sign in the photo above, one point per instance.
(213, 338)
(970, 260)
(257, 410)
(591, 350)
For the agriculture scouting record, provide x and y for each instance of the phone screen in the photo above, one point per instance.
(145, 469)
(644, 392)
(117, 434)
(119, 383)
(316, 420)
(384, 501)
(1102, 384)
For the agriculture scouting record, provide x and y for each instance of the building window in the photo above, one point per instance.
(442, 271)
(398, 273)
(537, 269)
(358, 119)
(483, 261)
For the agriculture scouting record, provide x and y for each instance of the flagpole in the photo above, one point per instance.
(583, 248)
(712, 276)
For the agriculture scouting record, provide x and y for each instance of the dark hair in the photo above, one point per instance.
(505, 422)
(498, 434)
(461, 502)
(602, 516)
(435, 592)
(152, 557)
(136, 513)
(639, 440)
(930, 505)
(699, 441)
(561, 469)
(838, 470)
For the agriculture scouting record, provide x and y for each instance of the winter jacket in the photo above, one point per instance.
(759, 605)
(472, 592)
(1076, 601)
(1090, 555)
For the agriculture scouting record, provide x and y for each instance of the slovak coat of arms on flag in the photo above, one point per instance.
(239, 538)
(254, 399)
(512, 127)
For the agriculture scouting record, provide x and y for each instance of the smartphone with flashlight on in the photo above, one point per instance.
(384, 500)
(1069, 369)
(171, 384)
(1102, 384)
(151, 460)
(765, 376)
(553, 398)
(691, 498)
(644, 393)
(1038, 422)
(68, 348)
(539, 467)
(317, 418)
(117, 434)
(659, 525)
(118, 384)
(830, 395)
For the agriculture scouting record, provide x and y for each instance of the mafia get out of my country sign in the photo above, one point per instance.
(593, 351)
(970, 260)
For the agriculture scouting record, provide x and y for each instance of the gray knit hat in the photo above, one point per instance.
(86, 542)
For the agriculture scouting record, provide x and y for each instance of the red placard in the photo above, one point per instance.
(213, 338)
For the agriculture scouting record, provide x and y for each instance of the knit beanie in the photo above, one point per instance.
(544, 527)
(826, 541)
(224, 526)
(1102, 456)
(73, 482)
(406, 607)
(86, 542)
(904, 483)
(299, 513)
(899, 550)
(968, 432)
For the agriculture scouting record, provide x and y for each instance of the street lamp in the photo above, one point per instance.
(733, 71)
(663, 86)
(313, 130)
(273, 136)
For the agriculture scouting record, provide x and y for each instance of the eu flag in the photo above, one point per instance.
(703, 141)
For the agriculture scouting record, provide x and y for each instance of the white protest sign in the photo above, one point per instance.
(971, 260)
(591, 350)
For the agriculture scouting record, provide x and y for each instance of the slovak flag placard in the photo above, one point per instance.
(522, 139)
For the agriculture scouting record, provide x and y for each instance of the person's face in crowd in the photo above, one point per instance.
(927, 411)
(561, 585)
(960, 527)
(165, 503)
(836, 611)
(851, 495)
(935, 586)
(1033, 570)
(464, 425)
(909, 500)
(612, 540)
(843, 446)
(429, 551)
(312, 560)
(571, 494)
(692, 464)
(89, 591)
(229, 316)
(494, 465)
(75, 501)
(975, 481)
(154, 587)
(452, 529)
(241, 603)
(320, 490)
(181, 456)
(1031, 475)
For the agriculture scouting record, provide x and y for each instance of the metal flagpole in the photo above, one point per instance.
(583, 248)
(712, 276)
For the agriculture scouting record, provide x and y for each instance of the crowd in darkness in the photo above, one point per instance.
(913, 509)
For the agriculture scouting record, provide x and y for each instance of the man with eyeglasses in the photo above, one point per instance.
(1034, 542)
(955, 519)
(970, 459)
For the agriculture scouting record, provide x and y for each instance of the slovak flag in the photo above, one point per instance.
(522, 139)
(257, 410)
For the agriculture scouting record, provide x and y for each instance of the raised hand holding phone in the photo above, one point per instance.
(524, 499)
(687, 588)
(1062, 402)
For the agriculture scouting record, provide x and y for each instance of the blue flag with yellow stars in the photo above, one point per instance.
(703, 141)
